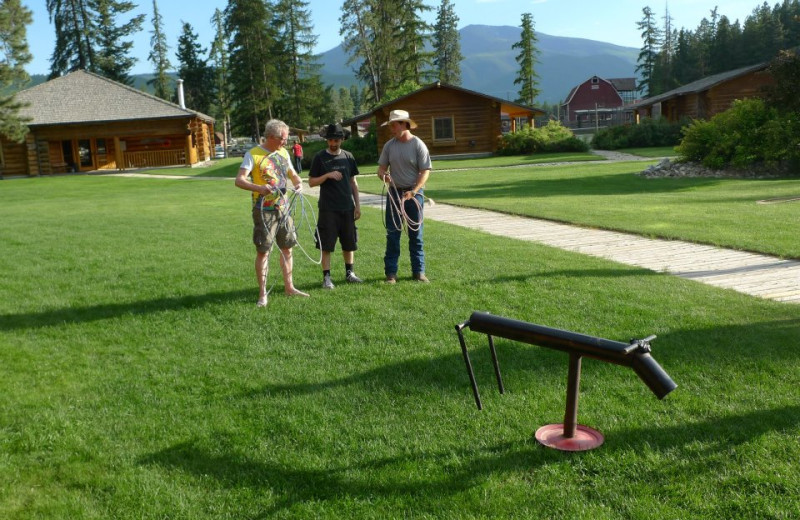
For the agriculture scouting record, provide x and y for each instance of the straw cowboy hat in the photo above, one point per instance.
(399, 115)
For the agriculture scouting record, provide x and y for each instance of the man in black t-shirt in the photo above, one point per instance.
(334, 170)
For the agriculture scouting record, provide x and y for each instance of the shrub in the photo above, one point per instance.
(748, 133)
(649, 132)
(364, 149)
(550, 138)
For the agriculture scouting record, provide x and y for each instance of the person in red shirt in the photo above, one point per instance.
(297, 150)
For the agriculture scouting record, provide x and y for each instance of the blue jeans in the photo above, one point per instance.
(393, 232)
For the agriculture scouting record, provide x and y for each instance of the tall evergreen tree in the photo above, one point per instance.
(346, 107)
(220, 65)
(158, 57)
(527, 78)
(252, 42)
(113, 58)
(646, 62)
(411, 35)
(75, 27)
(198, 85)
(387, 38)
(447, 45)
(297, 66)
(363, 43)
(14, 55)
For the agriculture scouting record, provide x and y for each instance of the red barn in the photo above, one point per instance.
(596, 100)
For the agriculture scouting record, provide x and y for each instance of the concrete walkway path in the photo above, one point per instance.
(749, 273)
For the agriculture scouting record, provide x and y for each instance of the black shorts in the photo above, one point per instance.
(337, 224)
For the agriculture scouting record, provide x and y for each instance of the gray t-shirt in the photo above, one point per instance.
(405, 160)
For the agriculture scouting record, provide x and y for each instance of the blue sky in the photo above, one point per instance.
(612, 22)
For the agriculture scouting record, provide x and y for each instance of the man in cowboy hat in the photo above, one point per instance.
(334, 170)
(404, 165)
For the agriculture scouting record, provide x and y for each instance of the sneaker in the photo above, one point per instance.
(327, 283)
(262, 302)
(420, 277)
(391, 279)
(352, 278)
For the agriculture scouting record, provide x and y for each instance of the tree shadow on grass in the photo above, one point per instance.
(430, 476)
(91, 313)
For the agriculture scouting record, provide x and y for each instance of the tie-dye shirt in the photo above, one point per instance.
(268, 168)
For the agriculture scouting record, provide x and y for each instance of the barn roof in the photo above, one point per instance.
(85, 97)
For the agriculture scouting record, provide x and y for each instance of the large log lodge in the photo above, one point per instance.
(82, 122)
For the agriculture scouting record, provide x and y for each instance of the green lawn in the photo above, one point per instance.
(723, 212)
(611, 196)
(139, 380)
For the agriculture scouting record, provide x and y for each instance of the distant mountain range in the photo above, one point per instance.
(490, 65)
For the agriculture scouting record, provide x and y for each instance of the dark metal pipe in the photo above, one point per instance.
(635, 356)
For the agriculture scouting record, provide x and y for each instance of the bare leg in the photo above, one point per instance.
(326, 260)
(348, 256)
(262, 265)
(286, 267)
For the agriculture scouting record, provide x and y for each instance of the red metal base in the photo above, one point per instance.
(585, 438)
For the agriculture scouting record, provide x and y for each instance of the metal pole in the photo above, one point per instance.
(470, 372)
(496, 365)
(573, 384)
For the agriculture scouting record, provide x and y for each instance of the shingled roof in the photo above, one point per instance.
(84, 97)
(702, 84)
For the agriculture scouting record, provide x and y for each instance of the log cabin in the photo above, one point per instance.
(452, 121)
(707, 97)
(82, 122)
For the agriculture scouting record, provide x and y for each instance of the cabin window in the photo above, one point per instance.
(443, 129)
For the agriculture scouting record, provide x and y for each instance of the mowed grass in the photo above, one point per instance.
(721, 212)
(139, 380)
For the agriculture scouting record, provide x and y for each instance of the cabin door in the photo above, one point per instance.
(68, 157)
(85, 155)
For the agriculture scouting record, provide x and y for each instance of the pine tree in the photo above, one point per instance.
(362, 42)
(388, 39)
(198, 85)
(112, 58)
(346, 108)
(221, 61)
(252, 42)
(646, 62)
(527, 58)
(14, 55)
(297, 66)
(158, 57)
(447, 45)
(411, 34)
(75, 28)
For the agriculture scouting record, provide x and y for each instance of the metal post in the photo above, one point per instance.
(470, 372)
(496, 365)
(573, 388)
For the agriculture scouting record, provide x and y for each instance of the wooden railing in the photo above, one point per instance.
(155, 158)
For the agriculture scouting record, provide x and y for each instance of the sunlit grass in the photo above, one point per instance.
(139, 380)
